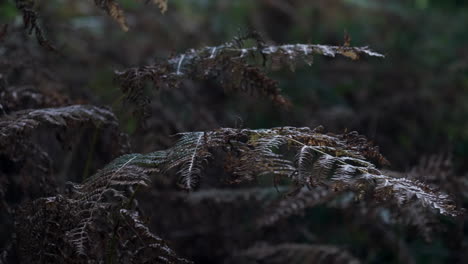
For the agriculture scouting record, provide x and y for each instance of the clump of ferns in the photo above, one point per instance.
(233, 65)
(321, 162)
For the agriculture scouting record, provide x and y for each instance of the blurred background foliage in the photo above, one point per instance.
(412, 103)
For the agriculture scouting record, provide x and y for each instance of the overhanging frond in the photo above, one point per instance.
(233, 66)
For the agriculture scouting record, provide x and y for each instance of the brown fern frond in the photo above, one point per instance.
(234, 67)
(294, 253)
(338, 162)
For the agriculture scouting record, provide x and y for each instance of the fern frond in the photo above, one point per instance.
(294, 253)
(231, 65)
(337, 161)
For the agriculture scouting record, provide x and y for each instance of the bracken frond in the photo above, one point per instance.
(332, 162)
(234, 67)
(335, 162)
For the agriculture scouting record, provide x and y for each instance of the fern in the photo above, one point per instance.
(341, 164)
(82, 220)
(126, 171)
(231, 65)
(259, 152)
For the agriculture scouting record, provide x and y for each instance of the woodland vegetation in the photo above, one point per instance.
(174, 131)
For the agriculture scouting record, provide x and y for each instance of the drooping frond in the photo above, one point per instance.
(294, 253)
(341, 162)
(232, 66)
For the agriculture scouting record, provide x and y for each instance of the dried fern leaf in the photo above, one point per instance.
(235, 68)
(338, 161)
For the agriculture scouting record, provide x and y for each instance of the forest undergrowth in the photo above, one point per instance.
(74, 190)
